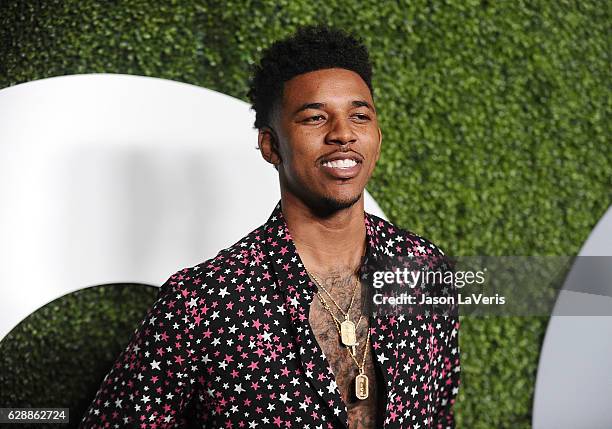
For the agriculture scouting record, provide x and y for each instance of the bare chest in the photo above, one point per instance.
(361, 413)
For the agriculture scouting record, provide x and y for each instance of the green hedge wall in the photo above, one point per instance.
(495, 120)
(58, 356)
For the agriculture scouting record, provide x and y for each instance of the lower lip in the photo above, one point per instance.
(342, 173)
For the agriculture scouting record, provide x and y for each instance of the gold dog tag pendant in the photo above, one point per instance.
(361, 386)
(347, 332)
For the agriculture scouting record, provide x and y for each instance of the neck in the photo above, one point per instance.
(332, 243)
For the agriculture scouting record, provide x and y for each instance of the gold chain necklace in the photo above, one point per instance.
(361, 381)
(347, 326)
(339, 323)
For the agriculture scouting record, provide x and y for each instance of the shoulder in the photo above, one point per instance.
(217, 277)
(396, 242)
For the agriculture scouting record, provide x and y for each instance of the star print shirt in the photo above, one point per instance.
(227, 344)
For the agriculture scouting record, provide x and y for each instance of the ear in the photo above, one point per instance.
(268, 146)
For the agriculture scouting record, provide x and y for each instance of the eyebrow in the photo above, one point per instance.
(363, 103)
(354, 103)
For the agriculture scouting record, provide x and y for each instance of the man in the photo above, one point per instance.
(280, 330)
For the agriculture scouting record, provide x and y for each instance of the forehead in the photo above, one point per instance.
(327, 86)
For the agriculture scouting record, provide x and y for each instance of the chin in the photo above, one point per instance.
(335, 203)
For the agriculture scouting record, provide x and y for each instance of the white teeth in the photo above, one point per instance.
(340, 163)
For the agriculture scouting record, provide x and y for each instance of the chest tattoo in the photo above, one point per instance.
(361, 413)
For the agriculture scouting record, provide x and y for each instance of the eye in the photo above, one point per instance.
(361, 117)
(314, 118)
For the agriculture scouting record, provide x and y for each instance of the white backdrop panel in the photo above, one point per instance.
(115, 178)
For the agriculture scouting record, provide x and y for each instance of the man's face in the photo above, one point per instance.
(328, 139)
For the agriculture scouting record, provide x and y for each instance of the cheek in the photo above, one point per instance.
(373, 148)
(303, 150)
(298, 162)
(370, 169)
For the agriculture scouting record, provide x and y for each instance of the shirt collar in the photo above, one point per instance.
(277, 238)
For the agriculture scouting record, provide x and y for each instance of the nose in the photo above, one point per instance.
(341, 133)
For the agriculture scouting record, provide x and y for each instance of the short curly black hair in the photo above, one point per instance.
(311, 48)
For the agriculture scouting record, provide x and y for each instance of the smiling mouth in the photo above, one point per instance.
(340, 163)
(342, 168)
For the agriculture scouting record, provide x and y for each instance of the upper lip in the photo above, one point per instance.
(342, 155)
